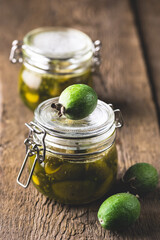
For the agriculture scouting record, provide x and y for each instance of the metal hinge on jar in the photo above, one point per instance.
(96, 55)
(16, 52)
(118, 117)
(33, 149)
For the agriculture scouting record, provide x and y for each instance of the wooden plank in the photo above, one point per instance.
(148, 19)
(26, 214)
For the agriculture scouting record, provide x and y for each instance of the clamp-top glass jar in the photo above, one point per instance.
(53, 58)
(72, 161)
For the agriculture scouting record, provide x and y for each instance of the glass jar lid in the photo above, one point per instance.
(59, 50)
(101, 121)
(58, 42)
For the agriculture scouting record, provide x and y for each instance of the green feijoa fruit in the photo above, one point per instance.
(76, 102)
(141, 178)
(119, 211)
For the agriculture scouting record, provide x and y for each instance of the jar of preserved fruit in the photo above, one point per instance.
(53, 58)
(72, 161)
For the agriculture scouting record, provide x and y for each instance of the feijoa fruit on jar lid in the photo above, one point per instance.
(76, 102)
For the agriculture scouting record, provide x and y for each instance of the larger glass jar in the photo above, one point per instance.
(72, 161)
(53, 58)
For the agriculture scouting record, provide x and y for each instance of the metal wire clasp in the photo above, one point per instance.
(96, 55)
(118, 118)
(16, 52)
(33, 149)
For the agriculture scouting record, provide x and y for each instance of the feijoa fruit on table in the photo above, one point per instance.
(141, 178)
(119, 211)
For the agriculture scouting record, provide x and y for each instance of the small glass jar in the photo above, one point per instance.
(72, 161)
(53, 58)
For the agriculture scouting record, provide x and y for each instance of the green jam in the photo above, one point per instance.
(75, 182)
(35, 87)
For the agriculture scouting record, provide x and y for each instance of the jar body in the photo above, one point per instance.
(35, 87)
(72, 161)
(75, 181)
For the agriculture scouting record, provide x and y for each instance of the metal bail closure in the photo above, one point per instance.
(32, 149)
(96, 55)
(16, 52)
(118, 118)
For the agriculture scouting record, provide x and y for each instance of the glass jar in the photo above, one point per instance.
(72, 161)
(53, 58)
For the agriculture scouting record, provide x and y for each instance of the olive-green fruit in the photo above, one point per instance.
(141, 178)
(76, 101)
(119, 211)
(38, 167)
(77, 191)
(69, 171)
(52, 165)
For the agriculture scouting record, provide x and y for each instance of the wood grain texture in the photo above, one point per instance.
(148, 20)
(26, 214)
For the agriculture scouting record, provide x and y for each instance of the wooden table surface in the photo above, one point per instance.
(130, 34)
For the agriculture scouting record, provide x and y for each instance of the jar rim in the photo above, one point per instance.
(44, 132)
(100, 122)
(64, 38)
(58, 49)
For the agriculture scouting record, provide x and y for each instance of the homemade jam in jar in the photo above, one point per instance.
(53, 58)
(72, 161)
